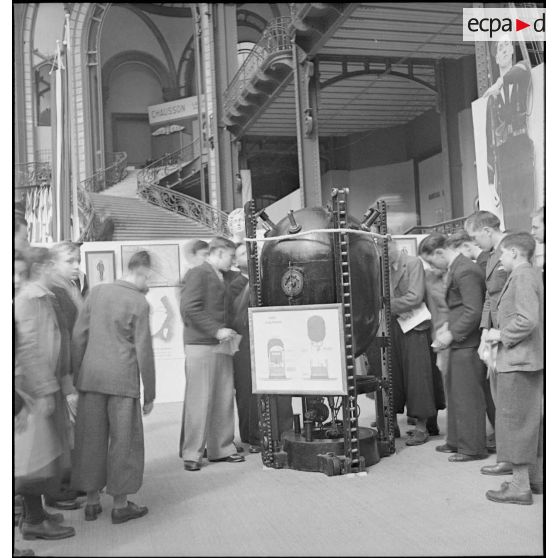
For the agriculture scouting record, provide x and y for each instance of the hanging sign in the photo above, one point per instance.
(179, 109)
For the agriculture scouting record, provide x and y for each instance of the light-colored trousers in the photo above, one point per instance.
(208, 412)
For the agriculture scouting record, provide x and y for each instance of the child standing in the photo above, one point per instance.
(519, 366)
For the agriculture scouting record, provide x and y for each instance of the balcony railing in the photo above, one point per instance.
(184, 205)
(33, 175)
(114, 172)
(275, 40)
(446, 227)
(168, 164)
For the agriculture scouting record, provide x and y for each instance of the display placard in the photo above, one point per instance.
(298, 350)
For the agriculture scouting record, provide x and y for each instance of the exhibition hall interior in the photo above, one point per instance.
(278, 279)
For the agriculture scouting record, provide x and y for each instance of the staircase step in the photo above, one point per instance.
(136, 219)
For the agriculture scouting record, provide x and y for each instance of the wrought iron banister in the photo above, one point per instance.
(169, 163)
(114, 172)
(446, 227)
(32, 175)
(179, 203)
(89, 221)
(275, 40)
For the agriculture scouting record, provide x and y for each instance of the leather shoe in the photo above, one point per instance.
(234, 458)
(62, 504)
(131, 511)
(508, 494)
(462, 457)
(501, 468)
(92, 511)
(417, 438)
(446, 449)
(45, 530)
(191, 466)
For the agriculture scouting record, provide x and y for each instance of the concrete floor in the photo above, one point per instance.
(413, 503)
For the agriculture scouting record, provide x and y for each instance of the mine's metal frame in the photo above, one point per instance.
(272, 454)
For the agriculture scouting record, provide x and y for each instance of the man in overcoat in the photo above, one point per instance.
(111, 350)
(413, 370)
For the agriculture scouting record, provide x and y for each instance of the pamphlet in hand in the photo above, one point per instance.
(410, 320)
(230, 345)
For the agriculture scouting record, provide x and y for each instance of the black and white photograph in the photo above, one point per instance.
(279, 279)
(100, 267)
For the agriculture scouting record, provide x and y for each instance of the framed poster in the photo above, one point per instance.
(100, 267)
(406, 244)
(298, 350)
(165, 262)
(165, 322)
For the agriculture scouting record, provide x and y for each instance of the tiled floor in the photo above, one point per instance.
(412, 503)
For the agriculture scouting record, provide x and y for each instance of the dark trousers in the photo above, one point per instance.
(466, 402)
(490, 407)
(518, 417)
(412, 367)
(246, 401)
(109, 447)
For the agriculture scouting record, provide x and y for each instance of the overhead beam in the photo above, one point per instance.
(313, 31)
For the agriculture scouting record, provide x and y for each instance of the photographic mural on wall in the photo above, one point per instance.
(509, 136)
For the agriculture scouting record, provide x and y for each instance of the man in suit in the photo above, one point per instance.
(484, 228)
(111, 350)
(413, 369)
(466, 438)
(208, 412)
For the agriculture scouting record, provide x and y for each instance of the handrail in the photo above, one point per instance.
(31, 175)
(275, 39)
(446, 227)
(110, 175)
(89, 221)
(179, 203)
(167, 164)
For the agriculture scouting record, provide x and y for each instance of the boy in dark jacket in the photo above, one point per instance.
(208, 412)
(111, 350)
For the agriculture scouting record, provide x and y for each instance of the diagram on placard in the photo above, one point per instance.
(276, 359)
(318, 360)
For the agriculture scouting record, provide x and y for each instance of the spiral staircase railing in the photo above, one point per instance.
(275, 40)
(151, 191)
(168, 164)
(114, 172)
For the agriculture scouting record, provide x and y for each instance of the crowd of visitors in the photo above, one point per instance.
(81, 358)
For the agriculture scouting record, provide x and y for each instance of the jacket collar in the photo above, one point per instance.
(35, 290)
(127, 284)
(517, 271)
(494, 260)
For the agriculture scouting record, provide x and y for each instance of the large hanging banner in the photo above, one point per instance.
(509, 140)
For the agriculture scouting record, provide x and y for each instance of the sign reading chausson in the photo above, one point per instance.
(174, 110)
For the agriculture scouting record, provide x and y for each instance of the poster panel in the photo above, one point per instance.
(508, 126)
(298, 350)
